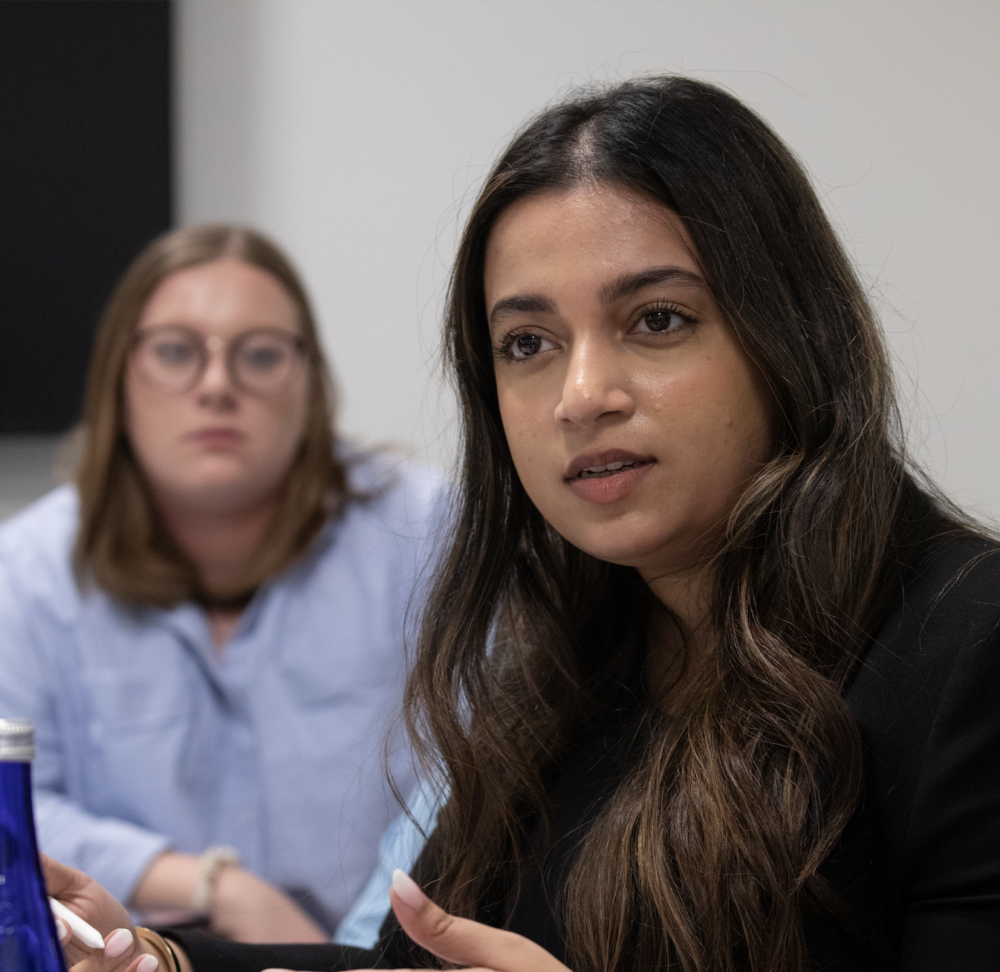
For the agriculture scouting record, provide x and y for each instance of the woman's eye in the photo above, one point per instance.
(264, 357)
(174, 353)
(663, 320)
(526, 346)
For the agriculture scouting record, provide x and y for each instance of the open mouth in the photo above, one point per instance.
(611, 469)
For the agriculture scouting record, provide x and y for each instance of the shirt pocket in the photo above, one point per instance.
(129, 701)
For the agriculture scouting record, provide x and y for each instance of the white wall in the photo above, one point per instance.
(356, 132)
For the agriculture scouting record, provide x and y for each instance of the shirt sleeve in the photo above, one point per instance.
(399, 847)
(114, 852)
(209, 954)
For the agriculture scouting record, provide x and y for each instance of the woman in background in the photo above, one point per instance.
(207, 628)
(709, 676)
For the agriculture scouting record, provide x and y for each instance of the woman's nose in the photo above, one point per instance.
(594, 387)
(216, 380)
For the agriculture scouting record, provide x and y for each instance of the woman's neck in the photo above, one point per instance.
(221, 544)
(687, 595)
(681, 639)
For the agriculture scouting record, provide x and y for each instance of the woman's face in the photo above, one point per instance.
(215, 447)
(634, 417)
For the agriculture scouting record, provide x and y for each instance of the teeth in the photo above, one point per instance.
(610, 467)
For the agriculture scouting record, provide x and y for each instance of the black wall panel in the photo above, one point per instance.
(84, 184)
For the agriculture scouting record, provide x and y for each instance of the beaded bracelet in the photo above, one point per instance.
(213, 862)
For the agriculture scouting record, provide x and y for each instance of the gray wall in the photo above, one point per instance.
(357, 132)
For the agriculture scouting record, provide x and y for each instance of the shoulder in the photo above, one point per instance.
(36, 555)
(924, 698)
(41, 536)
(945, 622)
(384, 473)
(386, 536)
(407, 496)
(948, 606)
(395, 516)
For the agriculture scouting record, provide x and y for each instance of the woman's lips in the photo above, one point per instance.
(608, 477)
(218, 438)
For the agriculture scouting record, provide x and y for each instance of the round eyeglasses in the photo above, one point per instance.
(261, 362)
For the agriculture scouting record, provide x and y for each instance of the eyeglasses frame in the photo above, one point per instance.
(208, 345)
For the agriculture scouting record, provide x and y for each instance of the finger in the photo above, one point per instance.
(75, 951)
(144, 962)
(118, 943)
(460, 940)
(61, 881)
(84, 898)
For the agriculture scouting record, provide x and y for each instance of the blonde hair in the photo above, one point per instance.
(123, 544)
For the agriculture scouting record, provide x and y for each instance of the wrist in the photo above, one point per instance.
(212, 863)
(162, 950)
(238, 891)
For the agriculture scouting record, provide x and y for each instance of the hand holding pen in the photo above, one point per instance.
(73, 894)
(69, 922)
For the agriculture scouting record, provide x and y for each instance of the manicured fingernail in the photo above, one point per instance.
(407, 889)
(61, 930)
(147, 963)
(118, 943)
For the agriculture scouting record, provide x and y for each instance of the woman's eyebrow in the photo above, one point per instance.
(629, 284)
(521, 304)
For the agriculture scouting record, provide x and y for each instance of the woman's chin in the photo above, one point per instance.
(214, 496)
(622, 550)
(651, 551)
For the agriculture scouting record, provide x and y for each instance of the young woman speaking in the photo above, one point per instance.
(709, 676)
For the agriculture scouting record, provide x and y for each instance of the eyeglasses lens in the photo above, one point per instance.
(263, 363)
(170, 359)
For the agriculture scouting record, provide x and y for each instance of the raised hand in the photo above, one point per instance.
(467, 943)
(462, 941)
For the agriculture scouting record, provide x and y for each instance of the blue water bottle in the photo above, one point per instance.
(28, 941)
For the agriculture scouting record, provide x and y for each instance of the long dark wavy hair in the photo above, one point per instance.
(705, 857)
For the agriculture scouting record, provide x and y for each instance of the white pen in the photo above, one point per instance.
(87, 934)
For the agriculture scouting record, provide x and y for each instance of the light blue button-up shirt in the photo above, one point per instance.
(148, 739)
(400, 847)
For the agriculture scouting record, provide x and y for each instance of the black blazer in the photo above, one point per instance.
(920, 859)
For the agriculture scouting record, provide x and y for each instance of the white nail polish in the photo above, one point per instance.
(148, 963)
(61, 930)
(118, 943)
(407, 889)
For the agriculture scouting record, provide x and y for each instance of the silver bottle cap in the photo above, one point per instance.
(17, 741)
